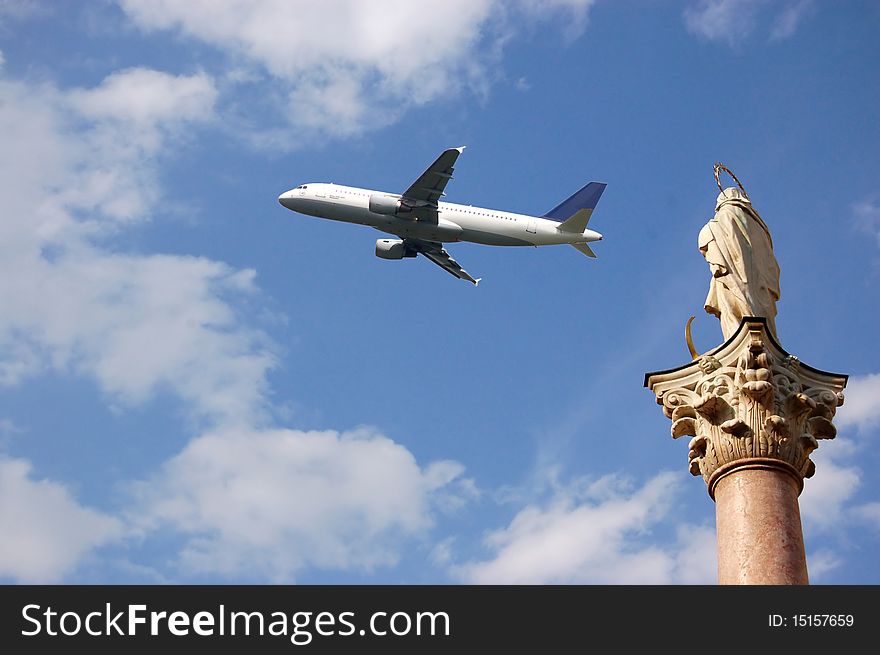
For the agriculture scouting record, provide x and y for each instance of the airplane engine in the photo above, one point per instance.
(388, 205)
(393, 249)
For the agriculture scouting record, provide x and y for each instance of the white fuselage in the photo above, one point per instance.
(455, 222)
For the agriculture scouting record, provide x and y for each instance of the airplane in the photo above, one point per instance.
(423, 223)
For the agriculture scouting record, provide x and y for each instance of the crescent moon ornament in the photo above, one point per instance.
(690, 342)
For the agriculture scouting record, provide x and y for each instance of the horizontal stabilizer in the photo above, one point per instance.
(584, 248)
(577, 223)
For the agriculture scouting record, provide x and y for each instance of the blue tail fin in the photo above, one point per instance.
(586, 198)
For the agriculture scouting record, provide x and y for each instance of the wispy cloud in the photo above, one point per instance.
(787, 21)
(721, 20)
(576, 13)
(16, 9)
(867, 215)
(821, 563)
(869, 513)
(734, 21)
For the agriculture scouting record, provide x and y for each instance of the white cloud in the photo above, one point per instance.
(442, 553)
(269, 503)
(861, 407)
(821, 563)
(77, 166)
(578, 7)
(346, 65)
(867, 215)
(870, 513)
(81, 164)
(45, 531)
(343, 66)
(826, 495)
(89, 152)
(721, 20)
(397, 39)
(8, 431)
(575, 12)
(734, 21)
(139, 324)
(145, 97)
(787, 22)
(18, 9)
(339, 98)
(130, 118)
(592, 535)
(695, 556)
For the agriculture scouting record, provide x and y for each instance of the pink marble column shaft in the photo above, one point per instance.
(760, 539)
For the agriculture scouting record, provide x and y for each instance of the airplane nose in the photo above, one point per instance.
(286, 199)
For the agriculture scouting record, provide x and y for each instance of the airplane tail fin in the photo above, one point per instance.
(584, 248)
(573, 213)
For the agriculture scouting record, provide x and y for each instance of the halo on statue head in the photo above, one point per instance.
(721, 167)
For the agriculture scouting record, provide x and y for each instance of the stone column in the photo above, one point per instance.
(754, 414)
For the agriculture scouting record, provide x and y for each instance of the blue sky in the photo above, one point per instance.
(197, 385)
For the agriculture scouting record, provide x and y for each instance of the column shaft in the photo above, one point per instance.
(760, 539)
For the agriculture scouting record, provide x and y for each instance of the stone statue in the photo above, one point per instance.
(736, 244)
(753, 412)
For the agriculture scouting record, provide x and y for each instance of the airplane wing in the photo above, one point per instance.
(426, 191)
(435, 252)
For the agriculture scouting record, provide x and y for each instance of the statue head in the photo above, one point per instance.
(731, 193)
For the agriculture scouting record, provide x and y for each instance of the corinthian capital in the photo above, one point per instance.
(749, 400)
